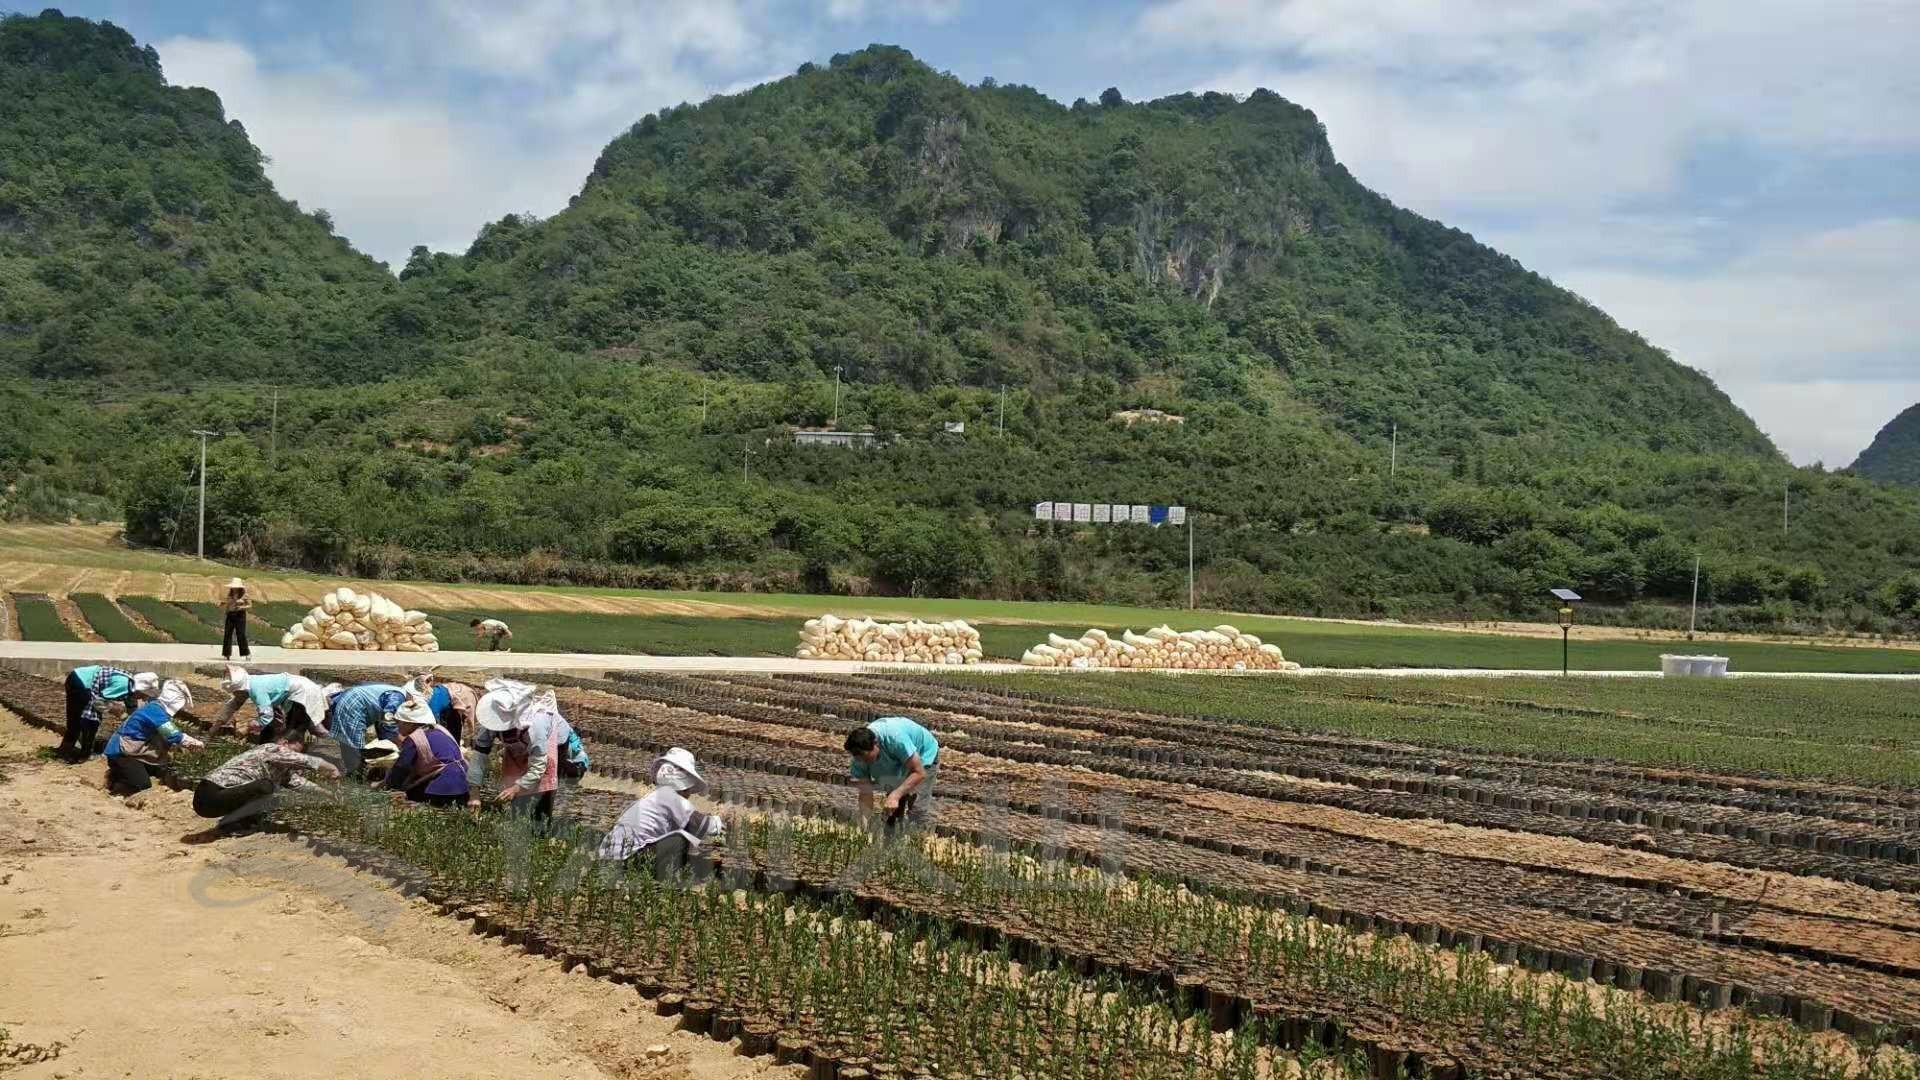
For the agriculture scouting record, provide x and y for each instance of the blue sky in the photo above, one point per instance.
(1738, 180)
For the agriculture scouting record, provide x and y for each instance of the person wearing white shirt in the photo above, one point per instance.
(663, 829)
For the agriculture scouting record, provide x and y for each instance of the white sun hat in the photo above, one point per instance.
(677, 769)
(236, 583)
(415, 711)
(504, 703)
(175, 696)
(146, 682)
(237, 680)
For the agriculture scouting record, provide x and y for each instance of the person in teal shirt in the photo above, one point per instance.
(89, 689)
(900, 756)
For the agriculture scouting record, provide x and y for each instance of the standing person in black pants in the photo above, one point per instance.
(235, 605)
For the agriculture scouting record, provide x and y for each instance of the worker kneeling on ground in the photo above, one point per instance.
(662, 830)
(89, 690)
(146, 738)
(244, 788)
(541, 756)
(895, 754)
(430, 768)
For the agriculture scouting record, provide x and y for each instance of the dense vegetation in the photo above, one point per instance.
(1894, 455)
(604, 396)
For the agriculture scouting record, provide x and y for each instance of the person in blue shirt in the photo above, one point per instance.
(146, 737)
(899, 756)
(352, 711)
(89, 689)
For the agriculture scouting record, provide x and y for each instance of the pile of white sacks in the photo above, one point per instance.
(1223, 648)
(367, 622)
(830, 637)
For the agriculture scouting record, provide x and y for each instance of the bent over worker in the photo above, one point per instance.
(353, 710)
(145, 739)
(541, 755)
(490, 630)
(898, 756)
(289, 699)
(662, 828)
(244, 787)
(429, 768)
(89, 690)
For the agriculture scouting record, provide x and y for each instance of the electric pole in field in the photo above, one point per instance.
(1694, 610)
(746, 451)
(201, 547)
(703, 404)
(1786, 495)
(1190, 517)
(835, 424)
(1003, 408)
(273, 445)
(1393, 452)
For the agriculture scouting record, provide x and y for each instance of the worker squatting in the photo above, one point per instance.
(431, 744)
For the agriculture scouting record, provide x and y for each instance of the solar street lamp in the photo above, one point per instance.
(1567, 598)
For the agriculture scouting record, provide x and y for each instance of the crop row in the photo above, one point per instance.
(1649, 830)
(1212, 734)
(1817, 994)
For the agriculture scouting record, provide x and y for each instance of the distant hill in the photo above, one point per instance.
(606, 396)
(1894, 454)
(140, 239)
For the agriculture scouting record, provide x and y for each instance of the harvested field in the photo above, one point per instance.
(1240, 898)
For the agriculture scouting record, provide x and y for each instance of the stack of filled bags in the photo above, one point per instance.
(832, 638)
(366, 622)
(1223, 648)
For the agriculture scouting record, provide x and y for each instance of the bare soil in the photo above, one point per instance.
(149, 950)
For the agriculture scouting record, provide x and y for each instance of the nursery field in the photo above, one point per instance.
(1122, 881)
(66, 559)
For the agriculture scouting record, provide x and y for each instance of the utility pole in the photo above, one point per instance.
(1003, 408)
(201, 547)
(1393, 454)
(1786, 494)
(835, 425)
(1190, 560)
(273, 453)
(1694, 610)
(746, 450)
(703, 404)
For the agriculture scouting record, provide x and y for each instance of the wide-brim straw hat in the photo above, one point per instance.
(236, 583)
(145, 682)
(237, 680)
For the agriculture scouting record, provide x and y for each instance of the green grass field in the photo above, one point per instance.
(1316, 644)
(1836, 729)
(173, 620)
(39, 620)
(109, 621)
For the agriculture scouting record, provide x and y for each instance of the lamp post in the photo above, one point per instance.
(200, 548)
(835, 424)
(1567, 598)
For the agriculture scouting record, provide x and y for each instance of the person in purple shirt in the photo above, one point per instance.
(429, 768)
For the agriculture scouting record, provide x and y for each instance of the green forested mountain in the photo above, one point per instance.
(608, 395)
(139, 238)
(1894, 454)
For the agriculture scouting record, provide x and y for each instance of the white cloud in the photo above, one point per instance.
(1817, 336)
(933, 11)
(393, 173)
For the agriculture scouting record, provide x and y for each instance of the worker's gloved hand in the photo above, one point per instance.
(192, 743)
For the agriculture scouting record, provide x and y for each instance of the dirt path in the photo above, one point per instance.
(150, 953)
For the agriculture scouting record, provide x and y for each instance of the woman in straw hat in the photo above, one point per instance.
(541, 755)
(235, 604)
(430, 768)
(662, 829)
